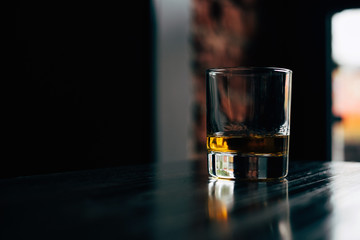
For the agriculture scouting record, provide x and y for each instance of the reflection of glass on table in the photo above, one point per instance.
(227, 199)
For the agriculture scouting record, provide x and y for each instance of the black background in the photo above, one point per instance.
(84, 86)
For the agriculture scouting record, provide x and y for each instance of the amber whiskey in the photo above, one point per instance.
(275, 145)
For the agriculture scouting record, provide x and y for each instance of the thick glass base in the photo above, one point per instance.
(246, 166)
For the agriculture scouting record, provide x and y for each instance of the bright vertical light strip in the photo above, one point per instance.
(173, 80)
(346, 38)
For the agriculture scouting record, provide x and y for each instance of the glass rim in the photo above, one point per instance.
(247, 69)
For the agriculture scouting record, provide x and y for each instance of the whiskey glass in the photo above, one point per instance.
(248, 122)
